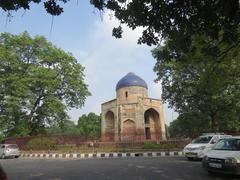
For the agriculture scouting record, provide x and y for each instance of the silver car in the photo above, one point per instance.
(9, 150)
(224, 157)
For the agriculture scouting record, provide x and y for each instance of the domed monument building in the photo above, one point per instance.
(132, 116)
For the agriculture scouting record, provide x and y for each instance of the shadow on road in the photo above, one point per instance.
(3, 175)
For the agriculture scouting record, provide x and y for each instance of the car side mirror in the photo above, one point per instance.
(213, 141)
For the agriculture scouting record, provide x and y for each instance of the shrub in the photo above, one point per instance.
(41, 143)
(163, 146)
(150, 145)
(1, 138)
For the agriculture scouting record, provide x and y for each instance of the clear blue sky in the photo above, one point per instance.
(82, 31)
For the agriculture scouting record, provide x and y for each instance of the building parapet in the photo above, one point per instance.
(111, 101)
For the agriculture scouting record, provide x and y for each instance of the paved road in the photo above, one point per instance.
(160, 168)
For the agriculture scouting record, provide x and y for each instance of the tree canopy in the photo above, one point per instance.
(66, 127)
(189, 125)
(171, 19)
(90, 125)
(39, 82)
(202, 82)
(159, 18)
(52, 7)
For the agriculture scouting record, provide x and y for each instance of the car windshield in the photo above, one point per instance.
(202, 139)
(228, 145)
(12, 146)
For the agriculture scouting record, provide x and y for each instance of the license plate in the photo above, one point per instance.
(191, 154)
(215, 165)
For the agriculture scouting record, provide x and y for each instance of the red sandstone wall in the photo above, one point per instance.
(60, 139)
(108, 137)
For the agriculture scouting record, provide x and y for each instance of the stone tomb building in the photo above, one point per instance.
(132, 116)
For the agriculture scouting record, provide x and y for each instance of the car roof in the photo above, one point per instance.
(215, 134)
(207, 135)
(235, 137)
(219, 135)
(9, 144)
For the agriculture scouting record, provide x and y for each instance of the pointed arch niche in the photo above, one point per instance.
(129, 131)
(110, 126)
(152, 126)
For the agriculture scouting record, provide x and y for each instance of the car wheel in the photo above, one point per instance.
(211, 173)
(16, 156)
(190, 158)
(3, 156)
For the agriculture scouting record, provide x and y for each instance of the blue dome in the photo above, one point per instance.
(131, 79)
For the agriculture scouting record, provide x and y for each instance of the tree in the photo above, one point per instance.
(90, 125)
(39, 82)
(66, 127)
(174, 19)
(160, 18)
(189, 125)
(167, 131)
(201, 82)
(52, 6)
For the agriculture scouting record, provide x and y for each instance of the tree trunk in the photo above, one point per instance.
(34, 108)
(214, 123)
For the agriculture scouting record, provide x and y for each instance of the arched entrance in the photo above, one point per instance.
(129, 131)
(152, 127)
(109, 126)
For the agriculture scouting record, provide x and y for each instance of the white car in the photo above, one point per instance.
(201, 145)
(224, 157)
(9, 150)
